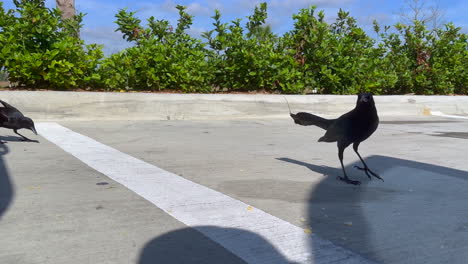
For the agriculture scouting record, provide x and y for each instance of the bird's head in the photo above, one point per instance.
(27, 123)
(365, 99)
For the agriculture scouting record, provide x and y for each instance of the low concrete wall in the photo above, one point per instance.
(53, 106)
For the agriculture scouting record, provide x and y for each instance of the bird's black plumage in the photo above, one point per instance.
(12, 118)
(351, 128)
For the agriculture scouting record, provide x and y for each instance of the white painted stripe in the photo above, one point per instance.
(437, 113)
(196, 205)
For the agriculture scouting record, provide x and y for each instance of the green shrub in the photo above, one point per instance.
(162, 58)
(39, 49)
(449, 61)
(252, 60)
(338, 58)
(426, 62)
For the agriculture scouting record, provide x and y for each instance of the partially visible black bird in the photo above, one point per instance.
(351, 128)
(12, 118)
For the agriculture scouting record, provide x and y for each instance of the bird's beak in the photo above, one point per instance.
(33, 130)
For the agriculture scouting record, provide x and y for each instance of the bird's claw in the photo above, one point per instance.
(367, 171)
(348, 181)
(364, 169)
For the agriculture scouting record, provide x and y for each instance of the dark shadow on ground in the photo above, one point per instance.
(190, 246)
(16, 139)
(417, 122)
(451, 134)
(418, 215)
(6, 189)
(334, 207)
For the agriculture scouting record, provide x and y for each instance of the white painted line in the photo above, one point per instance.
(196, 205)
(437, 113)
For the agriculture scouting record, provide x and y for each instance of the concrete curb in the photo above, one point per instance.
(55, 106)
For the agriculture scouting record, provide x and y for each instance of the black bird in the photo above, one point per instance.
(12, 118)
(351, 128)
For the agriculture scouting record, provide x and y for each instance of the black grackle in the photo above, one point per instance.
(351, 128)
(12, 118)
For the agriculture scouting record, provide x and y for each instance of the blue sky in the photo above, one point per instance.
(99, 26)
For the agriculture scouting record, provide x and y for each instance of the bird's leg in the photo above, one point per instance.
(366, 168)
(23, 137)
(345, 178)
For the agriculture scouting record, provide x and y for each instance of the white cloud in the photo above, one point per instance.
(240, 7)
(101, 33)
(91, 5)
(196, 9)
(297, 4)
(168, 6)
(280, 12)
(381, 18)
(165, 10)
(112, 41)
(196, 31)
(274, 21)
(214, 4)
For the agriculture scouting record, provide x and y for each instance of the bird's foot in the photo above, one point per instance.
(367, 171)
(348, 181)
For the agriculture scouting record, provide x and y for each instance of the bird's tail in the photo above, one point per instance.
(307, 119)
(288, 104)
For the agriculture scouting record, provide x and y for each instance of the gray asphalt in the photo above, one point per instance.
(55, 209)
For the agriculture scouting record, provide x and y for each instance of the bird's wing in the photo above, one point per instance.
(339, 129)
(7, 105)
(3, 118)
(9, 110)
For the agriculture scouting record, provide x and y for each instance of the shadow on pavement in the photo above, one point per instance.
(189, 246)
(408, 218)
(6, 189)
(333, 209)
(16, 139)
(418, 215)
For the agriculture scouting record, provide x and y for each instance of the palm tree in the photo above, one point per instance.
(68, 12)
(67, 7)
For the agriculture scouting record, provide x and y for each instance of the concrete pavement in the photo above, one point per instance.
(56, 209)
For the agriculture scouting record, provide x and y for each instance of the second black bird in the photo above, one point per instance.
(351, 128)
(12, 118)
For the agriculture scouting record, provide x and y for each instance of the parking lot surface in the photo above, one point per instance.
(85, 193)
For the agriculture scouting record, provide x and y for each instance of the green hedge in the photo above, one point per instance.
(40, 50)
